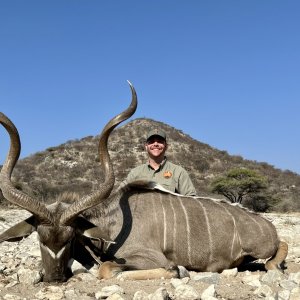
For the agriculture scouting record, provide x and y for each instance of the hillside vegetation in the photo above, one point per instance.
(74, 165)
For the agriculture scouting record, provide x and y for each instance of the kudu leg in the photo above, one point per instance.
(110, 269)
(148, 274)
(274, 262)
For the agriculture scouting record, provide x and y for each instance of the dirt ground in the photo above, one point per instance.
(80, 288)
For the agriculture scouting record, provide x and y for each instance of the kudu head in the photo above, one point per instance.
(59, 223)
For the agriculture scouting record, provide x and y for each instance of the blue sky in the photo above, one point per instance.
(225, 72)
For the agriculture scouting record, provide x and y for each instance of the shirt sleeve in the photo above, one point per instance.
(131, 176)
(185, 184)
(134, 174)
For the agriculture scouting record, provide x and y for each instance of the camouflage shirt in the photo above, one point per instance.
(172, 177)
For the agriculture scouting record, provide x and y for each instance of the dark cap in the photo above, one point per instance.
(156, 132)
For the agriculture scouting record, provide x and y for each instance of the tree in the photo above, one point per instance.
(238, 183)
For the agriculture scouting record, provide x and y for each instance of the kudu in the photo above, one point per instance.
(154, 233)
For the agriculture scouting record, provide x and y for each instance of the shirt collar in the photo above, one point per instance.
(161, 164)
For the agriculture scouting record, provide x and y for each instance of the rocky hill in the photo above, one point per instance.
(74, 165)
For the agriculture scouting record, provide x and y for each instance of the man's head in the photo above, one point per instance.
(156, 133)
(156, 143)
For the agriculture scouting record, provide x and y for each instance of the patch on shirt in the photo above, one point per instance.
(168, 174)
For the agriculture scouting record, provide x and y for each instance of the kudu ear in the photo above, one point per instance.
(20, 230)
(90, 230)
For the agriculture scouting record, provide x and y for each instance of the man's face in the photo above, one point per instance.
(156, 146)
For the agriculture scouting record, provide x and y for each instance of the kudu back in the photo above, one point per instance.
(140, 231)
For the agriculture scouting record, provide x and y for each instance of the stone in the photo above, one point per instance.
(295, 294)
(288, 284)
(186, 292)
(230, 272)
(207, 277)
(252, 280)
(28, 276)
(140, 295)
(264, 291)
(115, 297)
(272, 276)
(175, 282)
(108, 291)
(295, 277)
(284, 295)
(159, 294)
(50, 293)
(208, 293)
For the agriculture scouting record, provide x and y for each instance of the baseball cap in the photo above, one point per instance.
(157, 132)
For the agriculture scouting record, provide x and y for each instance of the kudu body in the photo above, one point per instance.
(154, 232)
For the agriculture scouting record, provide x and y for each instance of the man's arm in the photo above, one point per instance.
(185, 184)
(134, 174)
(130, 177)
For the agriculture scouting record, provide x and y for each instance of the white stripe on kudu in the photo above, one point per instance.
(235, 231)
(165, 222)
(52, 254)
(254, 221)
(188, 229)
(271, 235)
(210, 242)
(154, 209)
(174, 227)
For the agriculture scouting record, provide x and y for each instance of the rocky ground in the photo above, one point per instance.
(20, 277)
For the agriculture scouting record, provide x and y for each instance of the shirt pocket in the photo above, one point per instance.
(168, 183)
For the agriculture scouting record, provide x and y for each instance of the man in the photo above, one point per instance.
(172, 177)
